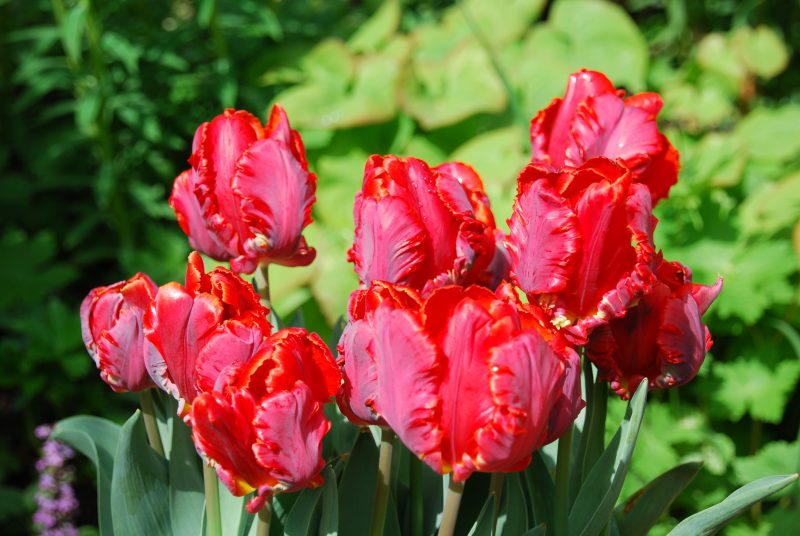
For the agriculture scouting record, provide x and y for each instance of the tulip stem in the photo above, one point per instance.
(417, 508)
(562, 483)
(382, 483)
(264, 519)
(262, 284)
(496, 489)
(213, 518)
(150, 422)
(454, 492)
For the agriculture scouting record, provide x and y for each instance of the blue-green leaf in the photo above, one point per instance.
(599, 492)
(357, 486)
(541, 489)
(329, 522)
(710, 520)
(139, 485)
(516, 512)
(96, 439)
(304, 517)
(485, 523)
(185, 482)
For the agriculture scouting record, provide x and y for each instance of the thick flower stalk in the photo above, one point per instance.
(595, 119)
(112, 328)
(199, 330)
(581, 243)
(425, 227)
(248, 194)
(662, 338)
(262, 429)
(469, 379)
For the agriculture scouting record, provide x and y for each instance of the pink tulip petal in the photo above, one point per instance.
(544, 242)
(290, 426)
(358, 392)
(276, 195)
(191, 219)
(409, 375)
(234, 343)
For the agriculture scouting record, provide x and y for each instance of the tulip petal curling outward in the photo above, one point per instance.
(594, 119)
(111, 324)
(199, 330)
(662, 338)
(425, 227)
(469, 379)
(581, 243)
(262, 428)
(249, 192)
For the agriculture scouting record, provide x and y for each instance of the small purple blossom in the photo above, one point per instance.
(55, 499)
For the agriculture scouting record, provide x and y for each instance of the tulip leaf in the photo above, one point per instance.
(541, 489)
(595, 501)
(484, 525)
(329, 522)
(140, 484)
(710, 520)
(516, 512)
(538, 530)
(305, 514)
(185, 482)
(357, 485)
(645, 507)
(236, 521)
(96, 439)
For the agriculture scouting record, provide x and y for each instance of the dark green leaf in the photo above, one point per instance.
(357, 486)
(96, 439)
(140, 484)
(710, 520)
(515, 510)
(485, 523)
(541, 489)
(643, 510)
(304, 517)
(329, 522)
(598, 494)
(185, 482)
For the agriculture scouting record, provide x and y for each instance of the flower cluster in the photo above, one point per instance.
(56, 503)
(439, 345)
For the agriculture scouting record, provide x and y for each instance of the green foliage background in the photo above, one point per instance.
(99, 101)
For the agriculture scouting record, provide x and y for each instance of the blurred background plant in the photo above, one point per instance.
(98, 102)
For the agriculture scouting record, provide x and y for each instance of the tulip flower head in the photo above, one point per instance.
(662, 338)
(581, 243)
(263, 428)
(198, 331)
(424, 227)
(469, 379)
(249, 192)
(594, 119)
(111, 324)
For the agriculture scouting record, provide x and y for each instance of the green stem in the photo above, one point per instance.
(150, 422)
(213, 518)
(382, 484)
(496, 489)
(454, 492)
(415, 468)
(562, 483)
(264, 518)
(262, 284)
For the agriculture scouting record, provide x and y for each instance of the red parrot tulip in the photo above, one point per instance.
(263, 429)
(470, 380)
(112, 327)
(424, 227)
(662, 338)
(249, 192)
(198, 331)
(581, 243)
(593, 119)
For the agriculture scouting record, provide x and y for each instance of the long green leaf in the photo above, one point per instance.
(483, 526)
(645, 507)
(541, 490)
(516, 511)
(710, 520)
(357, 487)
(329, 522)
(304, 517)
(139, 485)
(96, 439)
(185, 482)
(538, 530)
(599, 492)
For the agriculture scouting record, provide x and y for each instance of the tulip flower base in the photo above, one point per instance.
(466, 391)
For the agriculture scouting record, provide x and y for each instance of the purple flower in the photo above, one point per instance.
(55, 499)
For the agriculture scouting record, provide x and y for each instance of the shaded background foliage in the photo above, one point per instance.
(99, 101)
